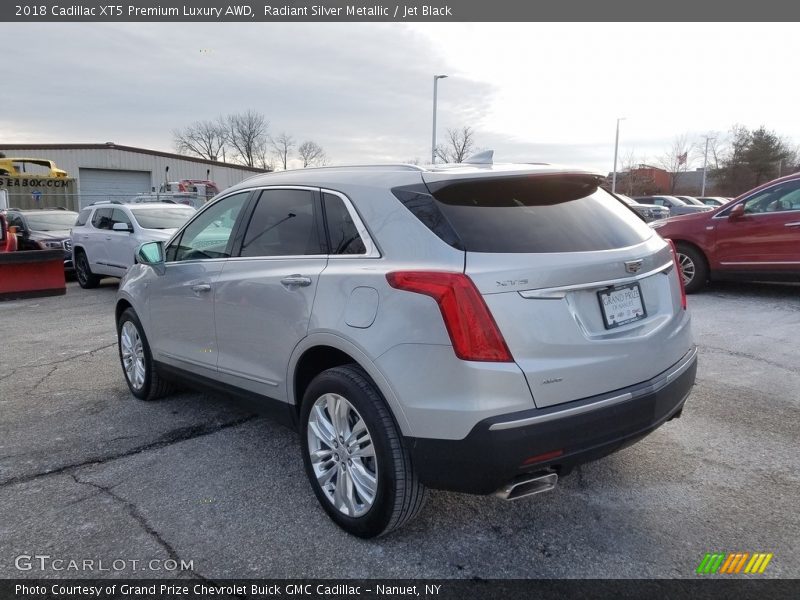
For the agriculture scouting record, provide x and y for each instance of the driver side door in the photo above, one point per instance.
(182, 299)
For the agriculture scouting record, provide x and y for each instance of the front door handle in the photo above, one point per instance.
(296, 280)
(201, 287)
(796, 224)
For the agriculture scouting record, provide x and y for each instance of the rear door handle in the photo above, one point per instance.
(797, 224)
(296, 280)
(201, 287)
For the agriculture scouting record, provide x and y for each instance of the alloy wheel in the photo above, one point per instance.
(82, 269)
(132, 355)
(342, 455)
(688, 269)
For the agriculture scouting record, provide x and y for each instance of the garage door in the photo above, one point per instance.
(111, 184)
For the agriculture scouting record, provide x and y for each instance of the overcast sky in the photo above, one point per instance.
(533, 92)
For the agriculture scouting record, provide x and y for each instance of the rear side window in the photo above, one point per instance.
(341, 228)
(539, 214)
(83, 216)
(284, 223)
(102, 218)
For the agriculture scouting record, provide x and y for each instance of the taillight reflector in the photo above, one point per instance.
(542, 457)
(472, 329)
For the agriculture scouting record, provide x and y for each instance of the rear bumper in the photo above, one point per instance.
(497, 448)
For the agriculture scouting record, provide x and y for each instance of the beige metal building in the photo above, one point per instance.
(110, 171)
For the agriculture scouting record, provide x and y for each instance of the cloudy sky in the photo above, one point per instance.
(533, 92)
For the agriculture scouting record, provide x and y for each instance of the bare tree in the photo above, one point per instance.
(460, 144)
(247, 134)
(678, 159)
(205, 139)
(311, 154)
(281, 146)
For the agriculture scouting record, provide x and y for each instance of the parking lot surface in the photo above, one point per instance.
(87, 472)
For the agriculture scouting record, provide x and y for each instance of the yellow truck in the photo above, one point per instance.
(40, 167)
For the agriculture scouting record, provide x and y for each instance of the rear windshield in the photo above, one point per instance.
(162, 218)
(537, 214)
(51, 221)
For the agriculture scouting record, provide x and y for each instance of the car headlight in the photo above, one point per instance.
(51, 244)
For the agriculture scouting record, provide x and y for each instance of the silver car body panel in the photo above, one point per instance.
(251, 331)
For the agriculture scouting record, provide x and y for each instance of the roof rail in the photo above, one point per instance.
(105, 202)
(391, 166)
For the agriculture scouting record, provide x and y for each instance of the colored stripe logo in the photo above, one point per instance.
(734, 563)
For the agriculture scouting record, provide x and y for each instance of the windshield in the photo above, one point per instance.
(162, 218)
(51, 221)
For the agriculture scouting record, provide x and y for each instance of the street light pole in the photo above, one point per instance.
(436, 79)
(616, 149)
(705, 165)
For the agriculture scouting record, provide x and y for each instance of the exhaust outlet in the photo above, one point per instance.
(527, 485)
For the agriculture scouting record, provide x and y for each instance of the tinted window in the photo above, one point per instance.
(83, 216)
(779, 198)
(163, 218)
(342, 230)
(284, 223)
(117, 216)
(14, 220)
(209, 234)
(102, 218)
(537, 214)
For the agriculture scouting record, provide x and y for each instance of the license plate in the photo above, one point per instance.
(621, 305)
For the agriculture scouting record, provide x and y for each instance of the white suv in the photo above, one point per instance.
(106, 235)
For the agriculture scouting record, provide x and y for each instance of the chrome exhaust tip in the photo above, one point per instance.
(527, 485)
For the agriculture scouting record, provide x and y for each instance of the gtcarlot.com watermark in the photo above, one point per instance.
(48, 563)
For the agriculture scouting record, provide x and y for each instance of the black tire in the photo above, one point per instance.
(399, 496)
(693, 267)
(83, 272)
(152, 386)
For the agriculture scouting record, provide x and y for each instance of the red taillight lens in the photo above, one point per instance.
(679, 272)
(472, 329)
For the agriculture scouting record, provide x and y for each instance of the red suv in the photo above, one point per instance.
(755, 237)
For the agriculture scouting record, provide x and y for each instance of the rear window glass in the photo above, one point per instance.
(162, 218)
(538, 214)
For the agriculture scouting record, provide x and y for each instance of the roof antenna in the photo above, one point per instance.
(481, 158)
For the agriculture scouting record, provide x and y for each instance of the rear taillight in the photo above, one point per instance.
(679, 271)
(472, 330)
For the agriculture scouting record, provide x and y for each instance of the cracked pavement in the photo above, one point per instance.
(88, 472)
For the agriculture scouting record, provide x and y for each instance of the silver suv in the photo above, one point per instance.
(106, 235)
(481, 329)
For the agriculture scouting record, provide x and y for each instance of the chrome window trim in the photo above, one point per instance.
(553, 293)
(762, 214)
(658, 383)
(366, 238)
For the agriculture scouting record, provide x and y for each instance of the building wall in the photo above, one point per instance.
(71, 159)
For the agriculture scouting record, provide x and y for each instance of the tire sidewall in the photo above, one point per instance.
(375, 521)
(143, 392)
(83, 272)
(700, 269)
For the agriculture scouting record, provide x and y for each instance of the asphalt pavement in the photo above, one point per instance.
(89, 473)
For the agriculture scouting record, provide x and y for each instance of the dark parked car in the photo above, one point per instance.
(43, 229)
(676, 205)
(754, 237)
(649, 212)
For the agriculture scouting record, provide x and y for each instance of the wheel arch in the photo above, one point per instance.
(322, 351)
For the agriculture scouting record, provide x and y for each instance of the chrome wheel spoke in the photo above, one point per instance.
(364, 482)
(342, 455)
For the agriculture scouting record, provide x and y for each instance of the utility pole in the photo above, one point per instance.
(616, 150)
(705, 166)
(436, 79)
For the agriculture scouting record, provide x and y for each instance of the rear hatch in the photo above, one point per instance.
(585, 294)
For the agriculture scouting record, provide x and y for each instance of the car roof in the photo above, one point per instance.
(429, 172)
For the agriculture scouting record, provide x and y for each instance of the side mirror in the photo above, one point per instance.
(122, 227)
(152, 255)
(737, 212)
